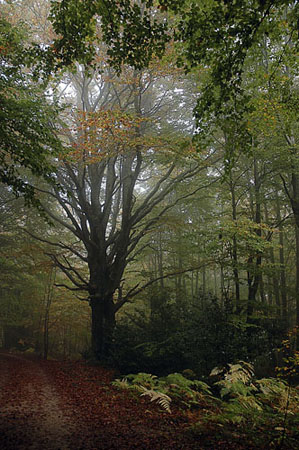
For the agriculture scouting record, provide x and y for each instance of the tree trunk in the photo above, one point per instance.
(273, 285)
(235, 247)
(283, 288)
(102, 325)
(262, 290)
(295, 207)
(254, 264)
(179, 281)
(160, 260)
(48, 301)
(204, 280)
(297, 279)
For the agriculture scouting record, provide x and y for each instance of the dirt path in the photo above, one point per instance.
(52, 405)
(30, 414)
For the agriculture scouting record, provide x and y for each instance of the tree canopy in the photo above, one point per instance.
(216, 35)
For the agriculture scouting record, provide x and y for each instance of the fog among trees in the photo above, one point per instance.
(150, 187)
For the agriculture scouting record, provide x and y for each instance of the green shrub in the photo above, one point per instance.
(266, 408)
(173, 339)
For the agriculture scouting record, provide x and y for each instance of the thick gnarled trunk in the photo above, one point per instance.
(103, 323)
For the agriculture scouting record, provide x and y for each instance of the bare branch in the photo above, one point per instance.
(66, 271)
(75, 289)
(56, 244)
(134, 291)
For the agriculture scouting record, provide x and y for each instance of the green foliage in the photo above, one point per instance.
(146, 385)
(260, 408)
(176, 337)
(238, 388)
(216, 35)
(289, 370)
(143, 379)
(260, 403)
(172, 388)
(142, 35)
(236, 380)
(27, 121)
(251, 239)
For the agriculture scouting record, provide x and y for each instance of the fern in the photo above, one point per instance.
(121, 384)
(186, 392)
(247, 402)
(235, 389)
(143, 379)
(182, 382)
(242, 371)
(237, 381)
(279, 395)
(272, 386)
(266, 403)
(161, 398)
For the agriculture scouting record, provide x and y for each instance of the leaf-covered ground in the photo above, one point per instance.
(63, 405)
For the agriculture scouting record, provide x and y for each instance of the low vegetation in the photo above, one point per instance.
(235, 403)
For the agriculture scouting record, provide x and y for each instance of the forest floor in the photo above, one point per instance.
(65, 405)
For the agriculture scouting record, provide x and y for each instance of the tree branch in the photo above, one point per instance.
(134, 291)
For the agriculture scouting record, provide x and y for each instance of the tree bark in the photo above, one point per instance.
(48, 302)
(102, 325)
(235, 250)
(283, 288)
(297, 279)
(254, 274)
(273, 285)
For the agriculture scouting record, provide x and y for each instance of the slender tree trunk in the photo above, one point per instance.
(204, 280)
(203, 274)
(283, 287)
(235, 251)
(160, 260)
(179, 281)
(273, 285)
(215, 283)
(254, 274)
(251, 288)
(48, 301)
(293, 195)
(222, 284)
(295, 207)
(297, 278)
(269, 291)
(262, 289)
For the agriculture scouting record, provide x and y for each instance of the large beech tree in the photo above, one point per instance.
(118, 170)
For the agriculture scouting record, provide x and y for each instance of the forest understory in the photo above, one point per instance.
(71, 405)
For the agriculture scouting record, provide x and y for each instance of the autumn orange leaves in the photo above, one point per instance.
(108, 133)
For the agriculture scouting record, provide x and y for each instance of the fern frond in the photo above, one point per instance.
(144, 379)
(242, 371)
(216, 371)
(249, 402)
(122, 384)
(155, 396)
